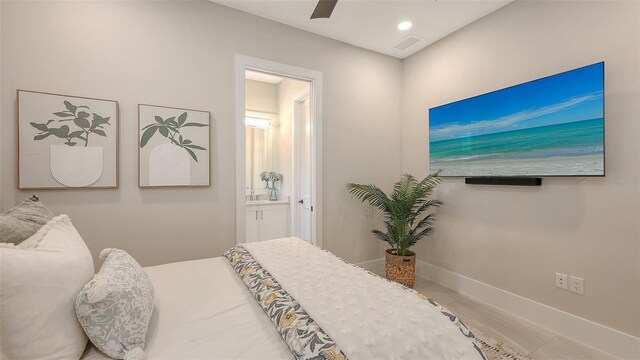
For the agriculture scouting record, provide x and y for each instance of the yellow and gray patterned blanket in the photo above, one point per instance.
(304, 337)
(325, 308)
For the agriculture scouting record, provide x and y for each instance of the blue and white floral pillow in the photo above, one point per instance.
(115, 307)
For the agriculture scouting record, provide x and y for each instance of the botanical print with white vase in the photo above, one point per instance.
(173, 146)
(66, 142)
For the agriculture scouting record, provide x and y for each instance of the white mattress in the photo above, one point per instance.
(204, 311)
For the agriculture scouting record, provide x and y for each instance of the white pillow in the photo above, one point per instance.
(115, 307)
(39, 281)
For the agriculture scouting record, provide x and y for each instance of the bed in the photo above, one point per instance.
(226, 308)
(276, 299)
(203, 311)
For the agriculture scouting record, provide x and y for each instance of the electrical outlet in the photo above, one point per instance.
(562, 281)
(577, 285)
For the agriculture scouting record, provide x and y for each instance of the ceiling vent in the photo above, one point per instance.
(407, 42)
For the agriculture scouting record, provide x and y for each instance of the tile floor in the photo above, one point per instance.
(526, 337)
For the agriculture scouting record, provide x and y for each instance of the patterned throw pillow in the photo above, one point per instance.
(19, 223)
(115, 307)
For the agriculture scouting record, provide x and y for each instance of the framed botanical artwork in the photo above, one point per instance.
(66, 142)
(173, 147)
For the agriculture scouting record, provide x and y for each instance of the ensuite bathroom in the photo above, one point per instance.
(278, 161)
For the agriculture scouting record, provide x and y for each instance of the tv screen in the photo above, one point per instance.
(552, 126)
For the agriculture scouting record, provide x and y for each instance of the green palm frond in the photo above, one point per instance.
(403, 188)
(427, 221)
(382, 236)
(407, 203)
(371, 194)
(414, 239)
(424, 206)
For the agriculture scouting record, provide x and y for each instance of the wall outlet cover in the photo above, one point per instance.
(562, 281)
(577, 285)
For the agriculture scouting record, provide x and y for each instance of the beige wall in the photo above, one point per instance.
(182, 54)
(517, 238)
(261, 96)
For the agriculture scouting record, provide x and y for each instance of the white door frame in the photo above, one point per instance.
(243, 63)
(298, 99)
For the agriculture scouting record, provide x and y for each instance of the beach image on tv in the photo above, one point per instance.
(548, 127)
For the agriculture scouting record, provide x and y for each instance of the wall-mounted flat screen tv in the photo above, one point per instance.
(552, 126)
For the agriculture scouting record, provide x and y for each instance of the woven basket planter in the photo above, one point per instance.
(401, 269)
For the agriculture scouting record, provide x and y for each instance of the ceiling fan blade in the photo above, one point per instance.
(324, 9)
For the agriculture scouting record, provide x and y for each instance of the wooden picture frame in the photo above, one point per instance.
(66, 142)
(173, 147)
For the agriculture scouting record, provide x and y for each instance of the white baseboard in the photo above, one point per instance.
(586, 331)
(596, 335)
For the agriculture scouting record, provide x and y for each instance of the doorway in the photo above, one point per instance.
(282, 140)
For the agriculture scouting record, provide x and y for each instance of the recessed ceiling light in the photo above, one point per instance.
(405, 25)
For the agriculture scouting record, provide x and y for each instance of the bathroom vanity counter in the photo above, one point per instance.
(267, 202)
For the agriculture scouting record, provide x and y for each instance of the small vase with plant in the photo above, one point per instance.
(405, 220)
(271, 178)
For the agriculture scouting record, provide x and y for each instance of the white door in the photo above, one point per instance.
(253, 223)
(304, 202)
(273, 222)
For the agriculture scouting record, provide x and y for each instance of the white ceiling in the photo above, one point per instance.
(262, 77)
(372, 24)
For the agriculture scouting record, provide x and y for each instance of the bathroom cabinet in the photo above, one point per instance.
(266, 220)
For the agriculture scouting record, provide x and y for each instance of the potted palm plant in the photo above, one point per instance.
(406, 220)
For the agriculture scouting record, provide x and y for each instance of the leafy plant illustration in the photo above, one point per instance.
(80, 119)
(169, 128)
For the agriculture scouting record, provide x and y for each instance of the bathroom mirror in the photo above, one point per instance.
(259, 148)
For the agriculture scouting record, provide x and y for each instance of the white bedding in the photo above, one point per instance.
(368, 317)
(204, 311)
